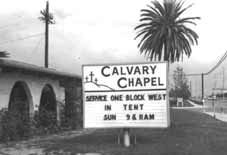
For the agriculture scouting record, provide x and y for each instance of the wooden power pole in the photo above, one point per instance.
(47, 18)
(202, 81)
(223, 83)
(47, 35)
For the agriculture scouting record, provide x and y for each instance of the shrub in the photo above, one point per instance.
(71, 118)
(173, 103)
(45, 122)
(14, 126)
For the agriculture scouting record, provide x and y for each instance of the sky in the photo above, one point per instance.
(101, 31)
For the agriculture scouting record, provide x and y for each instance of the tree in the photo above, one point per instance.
(164, 34)
(47, 18)
(4, 54)
(181, 87)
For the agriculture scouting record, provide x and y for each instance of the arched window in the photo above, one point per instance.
(48, 107)
(20, 100)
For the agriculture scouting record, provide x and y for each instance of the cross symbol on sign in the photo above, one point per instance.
(86, 79)
(91, 75)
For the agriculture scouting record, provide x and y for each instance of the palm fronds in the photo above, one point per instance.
(163, 34)
(4, 54)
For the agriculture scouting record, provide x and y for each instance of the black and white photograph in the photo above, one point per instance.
(113, 77)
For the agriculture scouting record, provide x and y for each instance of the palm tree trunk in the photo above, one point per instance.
(167, 59)
(167, 91)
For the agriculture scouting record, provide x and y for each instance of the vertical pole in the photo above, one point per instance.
(202, 78)
(223, 83)
(213, 103)
(190, 85)
(46, 34)
(118, 139)
(167, 91)
(126, 137)
(135, 140)
(202, 81)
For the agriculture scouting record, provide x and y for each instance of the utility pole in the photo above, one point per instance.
(47, 18)
(47, 35)
(223, 83)
(190, 86)
(202, 79)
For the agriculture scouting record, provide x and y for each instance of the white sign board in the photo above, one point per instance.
(125, 95)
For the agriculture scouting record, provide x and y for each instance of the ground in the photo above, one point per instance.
(191, 132)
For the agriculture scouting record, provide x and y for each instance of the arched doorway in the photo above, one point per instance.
(20, 103)
(48, 107)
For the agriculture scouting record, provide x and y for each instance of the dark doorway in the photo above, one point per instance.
(48, 108)
(18, 110)
(20, 100)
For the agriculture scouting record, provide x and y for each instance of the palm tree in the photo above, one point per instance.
(47, 16)
(164, 34)
(4, 54)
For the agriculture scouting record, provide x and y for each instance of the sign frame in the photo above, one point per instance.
(129, 63)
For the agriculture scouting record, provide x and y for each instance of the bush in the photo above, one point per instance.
(14, 126)
(45, 122)
(17, 126)
(173, 103)
(71, 116)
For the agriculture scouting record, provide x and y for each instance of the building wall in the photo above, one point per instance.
(35, 83)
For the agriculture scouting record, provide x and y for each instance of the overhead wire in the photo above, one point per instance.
(221, 60)
(19, 21)
(218, 64)
(213, 68)
(21, 38)
(11, 24)
(37, 45)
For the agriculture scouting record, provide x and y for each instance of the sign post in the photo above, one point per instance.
(125, 96)
(213, 104)
(126, 137)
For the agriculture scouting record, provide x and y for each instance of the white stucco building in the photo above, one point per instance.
(29, 88)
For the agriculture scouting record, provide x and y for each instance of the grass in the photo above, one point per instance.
(191, 133)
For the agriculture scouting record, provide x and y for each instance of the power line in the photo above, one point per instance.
(218, 64)
(16, 27)
(19, 21)
(9, 25)
(37, 45)
(194, 74)
(22, 38)
(212, 69)
(12, 24)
